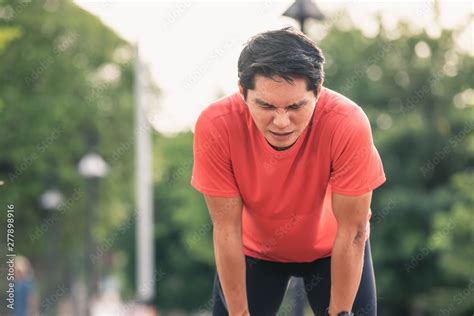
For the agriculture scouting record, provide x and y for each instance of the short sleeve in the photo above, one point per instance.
(356, 167)
(212, 169)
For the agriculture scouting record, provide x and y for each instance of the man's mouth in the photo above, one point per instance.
(281, 134)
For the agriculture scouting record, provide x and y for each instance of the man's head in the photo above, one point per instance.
(280, 76)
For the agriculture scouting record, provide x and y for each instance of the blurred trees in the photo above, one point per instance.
(183, 229)
(65, 90)
(417, 91)
(183, 232)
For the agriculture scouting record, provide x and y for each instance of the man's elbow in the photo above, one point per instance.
(355, 235)
(361, 237)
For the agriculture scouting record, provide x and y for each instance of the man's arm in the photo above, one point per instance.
(347, 259)
(226, 216)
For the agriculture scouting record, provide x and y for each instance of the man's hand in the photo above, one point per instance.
(352, 213)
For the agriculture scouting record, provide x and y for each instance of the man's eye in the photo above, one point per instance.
(294, 107)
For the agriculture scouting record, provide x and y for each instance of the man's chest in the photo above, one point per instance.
(281, 187)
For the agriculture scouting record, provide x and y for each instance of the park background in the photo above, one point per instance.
(67, 91)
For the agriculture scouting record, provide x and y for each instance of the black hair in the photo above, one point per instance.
(286, 53)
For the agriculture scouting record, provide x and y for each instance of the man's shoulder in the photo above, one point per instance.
(338, 104)
(341, 114)
(344, 116)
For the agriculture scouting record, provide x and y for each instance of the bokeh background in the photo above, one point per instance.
(69, 89)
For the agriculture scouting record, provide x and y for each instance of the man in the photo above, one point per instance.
(287, 168)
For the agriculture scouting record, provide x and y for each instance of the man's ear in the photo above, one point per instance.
(320, 86)
(241, 90)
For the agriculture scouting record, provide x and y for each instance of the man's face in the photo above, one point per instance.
(280, 110)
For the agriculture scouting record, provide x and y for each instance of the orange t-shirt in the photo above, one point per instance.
(287, 213)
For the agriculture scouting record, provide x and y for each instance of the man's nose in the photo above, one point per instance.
(281, 120)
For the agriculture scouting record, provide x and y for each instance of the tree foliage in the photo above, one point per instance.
(65, 90)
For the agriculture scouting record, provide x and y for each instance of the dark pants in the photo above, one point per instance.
(267, 282)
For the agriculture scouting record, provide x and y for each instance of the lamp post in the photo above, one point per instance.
(145, 251)
(302, 10)
(91, 167)
(50, 201)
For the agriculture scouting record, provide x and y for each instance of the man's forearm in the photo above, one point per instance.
(346, 269)
(230, 263)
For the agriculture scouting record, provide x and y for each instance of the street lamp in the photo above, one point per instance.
(301, 10)
(92, 167)
(50, 201)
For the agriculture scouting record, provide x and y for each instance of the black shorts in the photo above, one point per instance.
(267, 282)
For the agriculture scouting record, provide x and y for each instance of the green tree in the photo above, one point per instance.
(183, 231)
(416, 91)
(65, 90)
